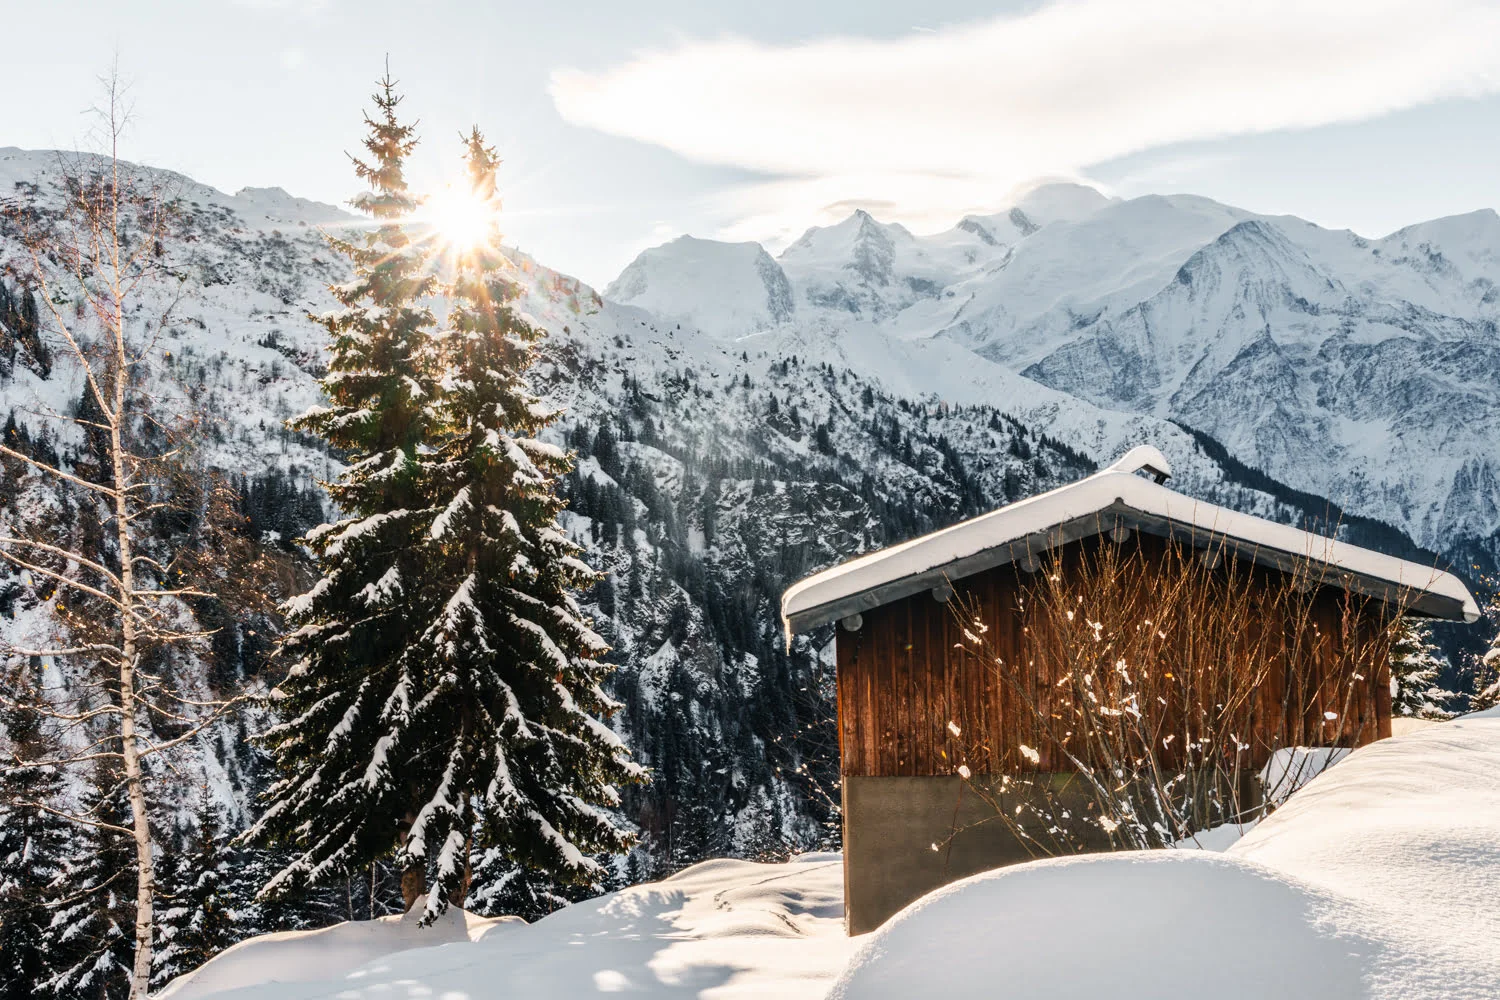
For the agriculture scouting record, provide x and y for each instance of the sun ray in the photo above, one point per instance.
(462, 220)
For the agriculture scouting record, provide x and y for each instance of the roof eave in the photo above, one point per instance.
(1413, 599)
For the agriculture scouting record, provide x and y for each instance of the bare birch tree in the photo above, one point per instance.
(120, 590)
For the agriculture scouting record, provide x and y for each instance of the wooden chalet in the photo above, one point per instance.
(911, 703)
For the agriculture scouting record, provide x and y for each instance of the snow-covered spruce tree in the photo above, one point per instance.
(345, 793)
(91, 933)
(196, 922)
(1487, 669)
(506, 740)
(33, 844)
(1416, 666)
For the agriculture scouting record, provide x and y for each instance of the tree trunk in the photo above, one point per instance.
(140, 980)
(145, 872)
(414, 875)
(413, 883)
(460, 892)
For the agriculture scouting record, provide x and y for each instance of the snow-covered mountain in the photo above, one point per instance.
(742, 420)
(747, 288)
(1363, 371)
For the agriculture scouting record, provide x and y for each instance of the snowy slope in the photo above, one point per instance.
(721, 929)
(1378, 880)
(291, 957)
(1424, 810)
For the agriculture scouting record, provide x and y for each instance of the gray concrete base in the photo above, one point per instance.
(891, 825)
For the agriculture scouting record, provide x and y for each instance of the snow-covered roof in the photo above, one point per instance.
(1112, 497)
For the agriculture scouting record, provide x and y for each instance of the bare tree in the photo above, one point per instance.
(1174, 682)
(122, 586)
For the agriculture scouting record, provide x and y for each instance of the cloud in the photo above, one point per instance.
(947, 121)
(293, 8)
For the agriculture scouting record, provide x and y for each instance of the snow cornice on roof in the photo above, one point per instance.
(1112, 498)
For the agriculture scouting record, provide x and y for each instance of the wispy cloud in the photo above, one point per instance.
(947, 121)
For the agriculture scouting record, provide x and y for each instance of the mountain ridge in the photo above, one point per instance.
(1174, 306)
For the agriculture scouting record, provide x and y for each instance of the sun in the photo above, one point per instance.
(461, 220)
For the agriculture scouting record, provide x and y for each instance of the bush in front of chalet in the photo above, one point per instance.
(1169, 695)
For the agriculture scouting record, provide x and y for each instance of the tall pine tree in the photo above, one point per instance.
(510, 697)
(197, 922)
(344, 794)
(447, 684)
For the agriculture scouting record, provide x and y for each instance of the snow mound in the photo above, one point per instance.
(1380, 880)
(1407, 830)
(721, 929)
(277, 961)
(1137, 926)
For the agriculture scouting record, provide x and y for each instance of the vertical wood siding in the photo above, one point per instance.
(901, 682)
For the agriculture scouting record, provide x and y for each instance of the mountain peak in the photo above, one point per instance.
(730, 288)
(278, 205)
(1059, 201)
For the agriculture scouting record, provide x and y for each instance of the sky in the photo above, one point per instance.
(625, 125)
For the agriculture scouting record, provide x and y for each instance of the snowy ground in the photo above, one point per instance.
(1379, 880)
(723, 930)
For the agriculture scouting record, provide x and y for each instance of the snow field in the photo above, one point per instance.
(725, 930)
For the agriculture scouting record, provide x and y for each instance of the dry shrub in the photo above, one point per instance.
(1156, 680)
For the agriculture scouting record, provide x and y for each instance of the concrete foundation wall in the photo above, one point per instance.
(892, 823)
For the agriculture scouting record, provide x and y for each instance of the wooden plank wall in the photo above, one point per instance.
(903, 686)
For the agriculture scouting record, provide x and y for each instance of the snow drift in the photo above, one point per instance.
(277, 961)
(726, 929)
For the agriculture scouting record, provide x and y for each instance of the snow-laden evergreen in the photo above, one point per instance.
(91, 934)
(343, 795)
(447, 694)
(509, 697)
(1417, 668)
(1487, 682)
(196, 920)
